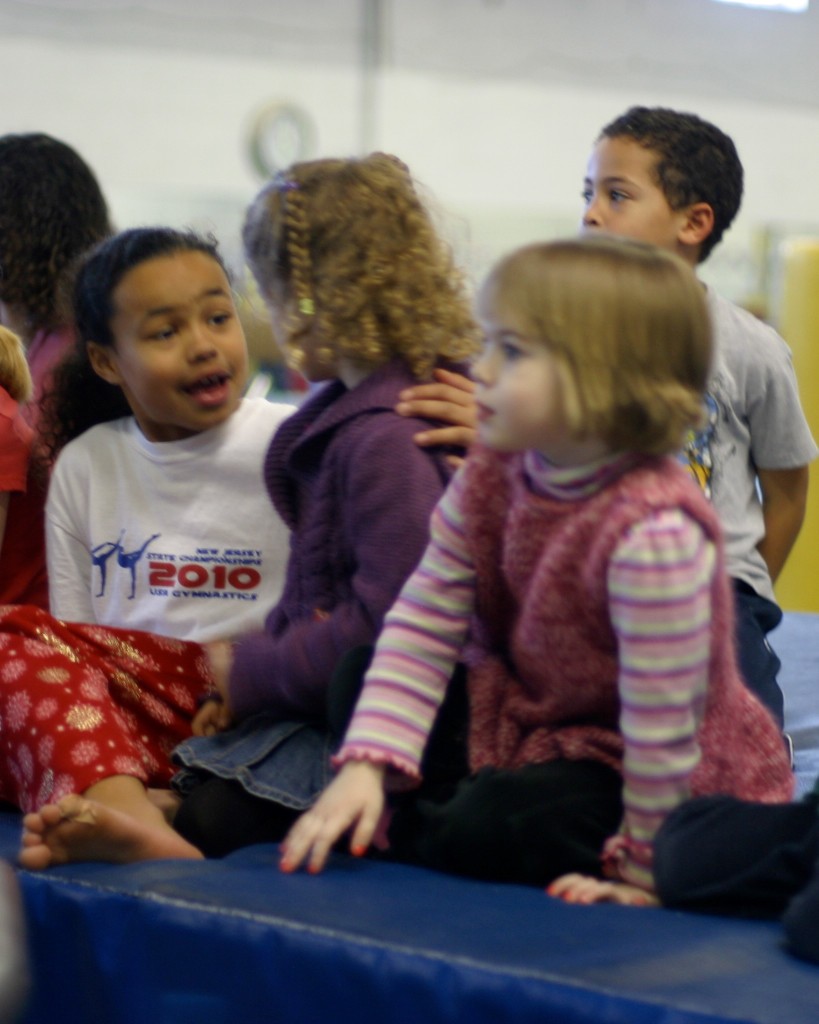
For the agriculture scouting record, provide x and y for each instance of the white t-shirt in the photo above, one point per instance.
(179, 538)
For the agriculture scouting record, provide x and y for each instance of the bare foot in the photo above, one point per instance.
(79, 829)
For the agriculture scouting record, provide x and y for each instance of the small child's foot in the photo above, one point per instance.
(576, 888)
(79, 829)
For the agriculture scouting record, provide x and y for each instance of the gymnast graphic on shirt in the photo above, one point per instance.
(120, 550)
(127, 559)
(220, 573)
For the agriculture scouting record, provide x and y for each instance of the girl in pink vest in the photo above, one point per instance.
(578, 572)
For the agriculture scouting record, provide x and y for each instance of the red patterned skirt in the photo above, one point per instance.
(80, 703)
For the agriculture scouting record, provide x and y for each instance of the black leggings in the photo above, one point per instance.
(527, 825)
(220, 815)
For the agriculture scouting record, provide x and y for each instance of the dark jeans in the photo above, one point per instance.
(755, 617)
(722, 855)
(730, 856)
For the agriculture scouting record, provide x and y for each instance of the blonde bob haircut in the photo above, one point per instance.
(629, 327)
(15, 376)
(347, 249)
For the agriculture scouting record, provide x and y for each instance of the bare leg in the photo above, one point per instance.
(114, 820)
(167, 801)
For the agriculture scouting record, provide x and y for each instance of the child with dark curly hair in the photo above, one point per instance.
(51, 210)
(365, 296)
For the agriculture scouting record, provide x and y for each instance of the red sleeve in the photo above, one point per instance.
(15, 445)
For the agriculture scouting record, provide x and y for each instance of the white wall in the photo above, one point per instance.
(166, 132)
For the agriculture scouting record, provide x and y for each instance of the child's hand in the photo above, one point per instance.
(216, 714)
(220, 661)
(584, 889)
(354, 797)
(451, 400)
(211, 718)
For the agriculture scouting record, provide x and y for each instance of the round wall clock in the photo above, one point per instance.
(280, 134)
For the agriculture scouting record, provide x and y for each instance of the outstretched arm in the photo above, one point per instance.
(416, 651)
(451, 400)
(354, 799)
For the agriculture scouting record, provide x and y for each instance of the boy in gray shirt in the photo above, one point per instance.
(675, 180)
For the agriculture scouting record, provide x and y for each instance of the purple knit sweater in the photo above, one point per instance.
(541, 570)
(357, 492)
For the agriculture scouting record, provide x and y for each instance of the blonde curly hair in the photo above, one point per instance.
(15, 376)
(347, 247)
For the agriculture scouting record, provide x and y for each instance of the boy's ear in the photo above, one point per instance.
(699, 223)
(103, 362)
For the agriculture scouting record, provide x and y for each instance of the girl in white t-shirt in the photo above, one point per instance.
(93, 702)
(162, 368)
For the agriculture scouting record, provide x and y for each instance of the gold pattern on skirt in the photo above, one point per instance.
(50, 638)
(127, 683)
(169, 643)
(54, 675)
(84, 717)
(123, 649)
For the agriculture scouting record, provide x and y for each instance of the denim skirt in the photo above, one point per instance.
(286, 762)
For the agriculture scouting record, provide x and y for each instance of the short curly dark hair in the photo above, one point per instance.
(697, 162)
(51, 210)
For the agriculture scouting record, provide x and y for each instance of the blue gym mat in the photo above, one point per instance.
(235, 940)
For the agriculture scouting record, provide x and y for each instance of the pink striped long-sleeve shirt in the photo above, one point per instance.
(659, 602)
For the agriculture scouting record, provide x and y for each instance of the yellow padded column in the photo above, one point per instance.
(797, 589)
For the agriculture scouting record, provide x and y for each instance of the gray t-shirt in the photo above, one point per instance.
(755, 420)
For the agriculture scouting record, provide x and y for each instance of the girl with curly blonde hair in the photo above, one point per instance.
(365, 298)
(328, 241)
(345, 251)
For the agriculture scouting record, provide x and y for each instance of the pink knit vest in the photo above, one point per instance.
(542, 658)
